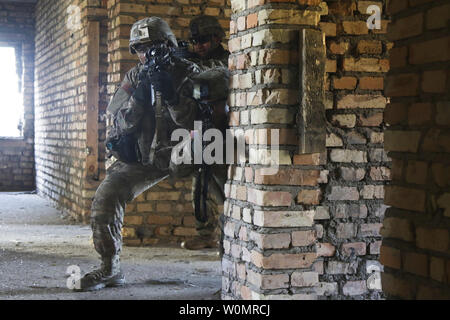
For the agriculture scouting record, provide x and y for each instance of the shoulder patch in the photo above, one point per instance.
(128, 88)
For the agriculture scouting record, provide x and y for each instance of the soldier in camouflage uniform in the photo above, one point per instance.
(206, 36)
(134, 118)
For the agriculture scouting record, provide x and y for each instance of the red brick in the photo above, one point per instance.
(303, 238)
(398, 56)
(436, 140)
(370, 47)
(402, 141)
(437, 269)
(432, 293)
(233, 27)
(396, 113)
(248, 174)
(352, 101)
(330, 66)
(429, 51)
(189, 221)
(294, 177)
(304, 279)
(133, 220)
(416, 172)
(373, 120)
(420, 114)
(371, 83)
(313, 159)
(309, 197)
(402, 85)
(405, 198)
(432, 239)
(344, 83)
(269, 198)
(415, 263)
(325, 249)
(406, 27)
(328, 28)
(396, 6)
(441, 174)
(397, 287)
(390, 257)
(268, 281)
(183, 231)
(437, 17)
(380, 174)
(163, 231)
(271, 241)
(366, 64)
(284, 219)
(355, 27)
(242, 61)
(434, 81)
(359, 248)
(398, 228)
(252, 20)
(342, 8)
(283, 260)
(153, 219)
(339, 48)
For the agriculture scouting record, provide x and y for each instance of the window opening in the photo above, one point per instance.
(11, 105)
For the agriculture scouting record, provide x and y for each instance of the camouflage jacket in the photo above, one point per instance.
(216, 58)
(128, 116)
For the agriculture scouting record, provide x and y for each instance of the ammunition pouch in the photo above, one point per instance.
(123, 148)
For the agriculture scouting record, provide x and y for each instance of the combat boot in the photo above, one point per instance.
(109, 275)
(200, 243)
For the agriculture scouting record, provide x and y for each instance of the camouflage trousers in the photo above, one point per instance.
(214, 203)
(123, 183)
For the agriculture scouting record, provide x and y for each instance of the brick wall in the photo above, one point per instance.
(163, 214)
(17, 155)
(415, 249)
(63, 145)
(269, 246)
(357, 166)
(313, 230)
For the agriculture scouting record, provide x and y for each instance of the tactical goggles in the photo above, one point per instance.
(145, 47)
(200, 39)
(142, 48)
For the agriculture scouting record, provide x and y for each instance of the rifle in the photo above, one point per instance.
(183, 51)
(203, 171)
(157, 57)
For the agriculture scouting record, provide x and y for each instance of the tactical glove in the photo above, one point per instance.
(162, 81)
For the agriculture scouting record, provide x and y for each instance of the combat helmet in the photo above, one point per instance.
(212, 84)
(205, 26)
(149, 30)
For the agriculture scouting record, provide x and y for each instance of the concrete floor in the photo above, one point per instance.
(37, 245)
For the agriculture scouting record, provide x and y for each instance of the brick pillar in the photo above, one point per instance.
(416, 244)
(270, 236)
